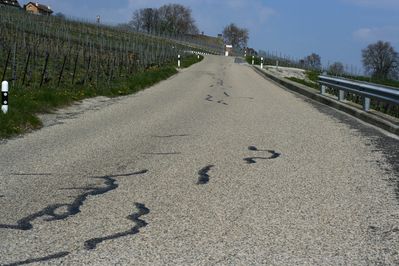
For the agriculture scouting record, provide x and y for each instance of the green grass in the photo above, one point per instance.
(313, 75)
(26, 103)
(189, 60)
(305, 82)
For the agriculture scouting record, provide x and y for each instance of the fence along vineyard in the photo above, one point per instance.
(38, 51)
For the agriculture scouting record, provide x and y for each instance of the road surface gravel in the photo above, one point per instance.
(124, 183)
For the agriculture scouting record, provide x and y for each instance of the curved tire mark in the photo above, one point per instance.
(222, 102)
(203, 175)
(275, 154)
(251, 160)
(72, 208)
(135, 217)
(171, 136)
(42, 259)
(31, 174)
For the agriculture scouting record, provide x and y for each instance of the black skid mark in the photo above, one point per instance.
(209, 98)
(250, 98)
(31, 174)
(203, 175)
(42, 259)
(72, 208)
(171, 136)
(251, 160)
(225, 93)
(135, 217)
(78, 188)
(275, 154)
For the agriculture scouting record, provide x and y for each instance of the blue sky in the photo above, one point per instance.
(335, 29)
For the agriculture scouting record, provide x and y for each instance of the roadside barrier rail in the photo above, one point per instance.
(367, 90)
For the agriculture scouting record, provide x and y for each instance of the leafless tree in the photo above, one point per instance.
(145, 19)
(150, 19)
(171, 18)
(336, 68)
(381, 60)
(236, 36)
(177, 19)
(312, 61)
(136, 22)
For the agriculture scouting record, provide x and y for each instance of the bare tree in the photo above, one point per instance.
(177, 19)
(381, 60)
(136, 22)
(145, 19)
(150, 19)
(336, 68)
(236, 36)
(312, 61)
(171, 18)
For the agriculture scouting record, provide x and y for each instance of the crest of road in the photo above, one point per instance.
(215, 165)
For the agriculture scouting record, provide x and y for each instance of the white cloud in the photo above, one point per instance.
(362, 34)
(387, 33)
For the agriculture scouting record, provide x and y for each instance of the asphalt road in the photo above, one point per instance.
(214, 166)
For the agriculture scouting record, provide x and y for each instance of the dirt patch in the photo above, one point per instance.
(287, 72)
(70, 112)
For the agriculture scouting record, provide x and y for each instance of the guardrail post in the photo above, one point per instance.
(322, 89)
(261, 62)
(4, 97)
(368, 91)
(341, 95)
(366, 104)
(253, 60)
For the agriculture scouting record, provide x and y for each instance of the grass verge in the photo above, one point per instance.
(26, 103)
(304, 82)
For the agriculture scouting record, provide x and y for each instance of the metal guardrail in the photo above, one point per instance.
(367, 90)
